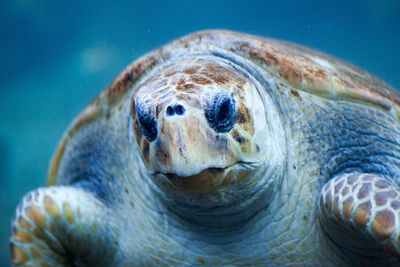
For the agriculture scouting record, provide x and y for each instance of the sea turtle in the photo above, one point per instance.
(222, 148)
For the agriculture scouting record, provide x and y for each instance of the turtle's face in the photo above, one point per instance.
(199, 124)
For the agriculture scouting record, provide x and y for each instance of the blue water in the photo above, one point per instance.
(55, 56)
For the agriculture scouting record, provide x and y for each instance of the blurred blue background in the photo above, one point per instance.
(55, 56)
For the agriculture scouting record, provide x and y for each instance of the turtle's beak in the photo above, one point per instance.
(209, 179)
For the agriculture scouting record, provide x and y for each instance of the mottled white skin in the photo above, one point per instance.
(309, 140)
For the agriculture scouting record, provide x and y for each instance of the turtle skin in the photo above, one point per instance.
(223, 149)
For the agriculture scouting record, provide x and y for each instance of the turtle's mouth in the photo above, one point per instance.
(208, 179)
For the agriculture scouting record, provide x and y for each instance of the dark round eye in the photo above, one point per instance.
(221, 112)
(147, 122)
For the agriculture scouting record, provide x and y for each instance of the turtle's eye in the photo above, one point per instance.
(221, 113)
(147, 122)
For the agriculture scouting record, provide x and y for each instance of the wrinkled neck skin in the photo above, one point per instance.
(236, 203)
(225, 207)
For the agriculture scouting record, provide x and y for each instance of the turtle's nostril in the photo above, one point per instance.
(177, 109)
(170, 111)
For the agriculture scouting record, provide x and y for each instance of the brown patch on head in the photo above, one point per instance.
(243, 142)
(237, 137)
(183, 86)
(244, 119)
(217, 73)
(136, 130)
(133, 110)
(180, 84)
(159, 108)
(197, 79)
(189, 87)
(243, 115)
(238, 91)
(145, 146)
(170, 73)
(191, 70)
(162, 157)
(126, 78)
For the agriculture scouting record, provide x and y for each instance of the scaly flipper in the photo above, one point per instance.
(361, 212)
(61, 226)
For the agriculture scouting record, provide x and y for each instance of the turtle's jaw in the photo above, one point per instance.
(210, 179)
(216, 197)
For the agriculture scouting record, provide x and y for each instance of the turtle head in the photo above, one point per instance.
(200, 126)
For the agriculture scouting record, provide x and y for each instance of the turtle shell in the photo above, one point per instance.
(300, 67)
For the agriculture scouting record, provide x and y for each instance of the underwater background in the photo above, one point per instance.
(55, 56)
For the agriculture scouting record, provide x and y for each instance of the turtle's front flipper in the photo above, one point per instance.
(61, 226)
(361, 213)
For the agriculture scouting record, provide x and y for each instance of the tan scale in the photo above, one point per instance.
(221, 149)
